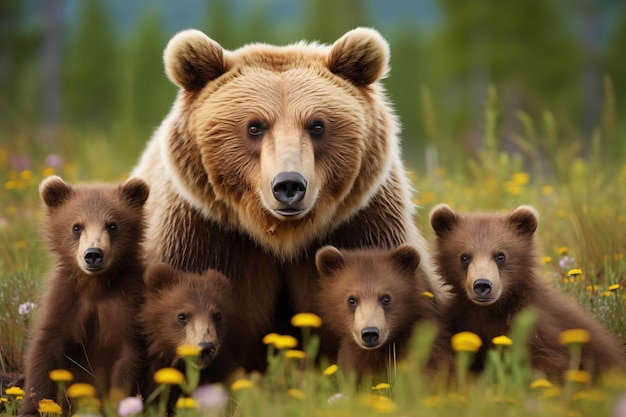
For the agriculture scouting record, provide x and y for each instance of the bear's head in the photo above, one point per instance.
(369, 296)
(97, 227)
(183, 309)
(284, 141)
(485, 256)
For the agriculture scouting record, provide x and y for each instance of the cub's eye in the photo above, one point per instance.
(77, 228)
(500, 257)
(182, 318)
(255, 129)
(111, 227)
(465, 259)
(316, 128)
(385, 300)
(217, 317)
(352, 301)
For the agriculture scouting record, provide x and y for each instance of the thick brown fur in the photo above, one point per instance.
(241, 119)
(86, 317)
(187, 309)
(501, 248)
(371, 300)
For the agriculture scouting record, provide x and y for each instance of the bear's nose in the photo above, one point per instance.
(207, 349)
(482, 287)
(289, 187)
(93, 256)
(370, 335)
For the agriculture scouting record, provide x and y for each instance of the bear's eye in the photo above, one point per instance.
(385, 300)
(352, 301)
(217, 317)
(111, 227)
(255, 129)
(182, 318)
(316, 128)
(500, 257)
(77, 228)
(465, 259)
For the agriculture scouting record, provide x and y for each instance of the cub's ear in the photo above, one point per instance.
(328, 260)
(406, 258)
(135, 192)
(160, 276)
(192, 59)
(442, 219)
(360, 56)
(524, 220)
(54, 191)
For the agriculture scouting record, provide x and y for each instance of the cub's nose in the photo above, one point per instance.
(93, 256)
(289, 187)
(482, 287)
(207, 350)
(370, 335)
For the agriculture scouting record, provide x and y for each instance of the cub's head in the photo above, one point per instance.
(183, 309)
(484, 256)
(369, 296)
(94, 226)
(284, 138)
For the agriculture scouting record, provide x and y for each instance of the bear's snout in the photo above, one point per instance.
(370, 336)
(207, 350)
(482, 287)
(289, 188)
(93, 258)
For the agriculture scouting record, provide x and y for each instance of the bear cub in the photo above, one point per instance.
(183, 308)
(489, 261)
(86, 318)
(371, 299)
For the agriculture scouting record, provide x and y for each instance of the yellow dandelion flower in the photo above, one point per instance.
(606, 294)
(330, 370)
(546, 260)
(540, 383)
(550, 392)
(26, 174)
(574, 272)
(431, 401)
(47, 171)
(384, 405)
(49, 406)
(502, 340)
(185, 351)
(4, 400)
(592, 288)
(520, 178)
(295, 354)
(382, 385)
(428, 294)
(186, 403)
(10, 185)
(15, 391)
(269, 338)
(306, 320)
(285, 342)
(61, 375)
(590, 395)
(241, 384)
(21, 244)
(169, 376)
(428, 197)
(296, 393)
(571, 336)
(562, 250)
(614, 287)
(466, 342)
(568, 280)
(577, 375)
(81, 389)
(561, 214)
(547, 190)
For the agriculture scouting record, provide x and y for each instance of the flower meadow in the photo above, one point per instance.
(582, 207)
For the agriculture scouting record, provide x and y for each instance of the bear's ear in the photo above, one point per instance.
(328, 260)
(54, 191)
(360, 56)
(405, 258)
(192, 59)
(159, 277)
(524, 220)
(442, 219)
(135, 192)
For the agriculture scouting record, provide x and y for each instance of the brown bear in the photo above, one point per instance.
(86, 318)
(371, 300)
(489, 260)
(269, 153)
(186, 309)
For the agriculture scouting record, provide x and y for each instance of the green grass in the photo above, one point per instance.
(582, 224)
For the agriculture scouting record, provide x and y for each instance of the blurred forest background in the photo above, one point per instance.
(75, 69)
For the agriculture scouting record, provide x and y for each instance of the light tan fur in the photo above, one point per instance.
(483, 267)
(370, 314)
